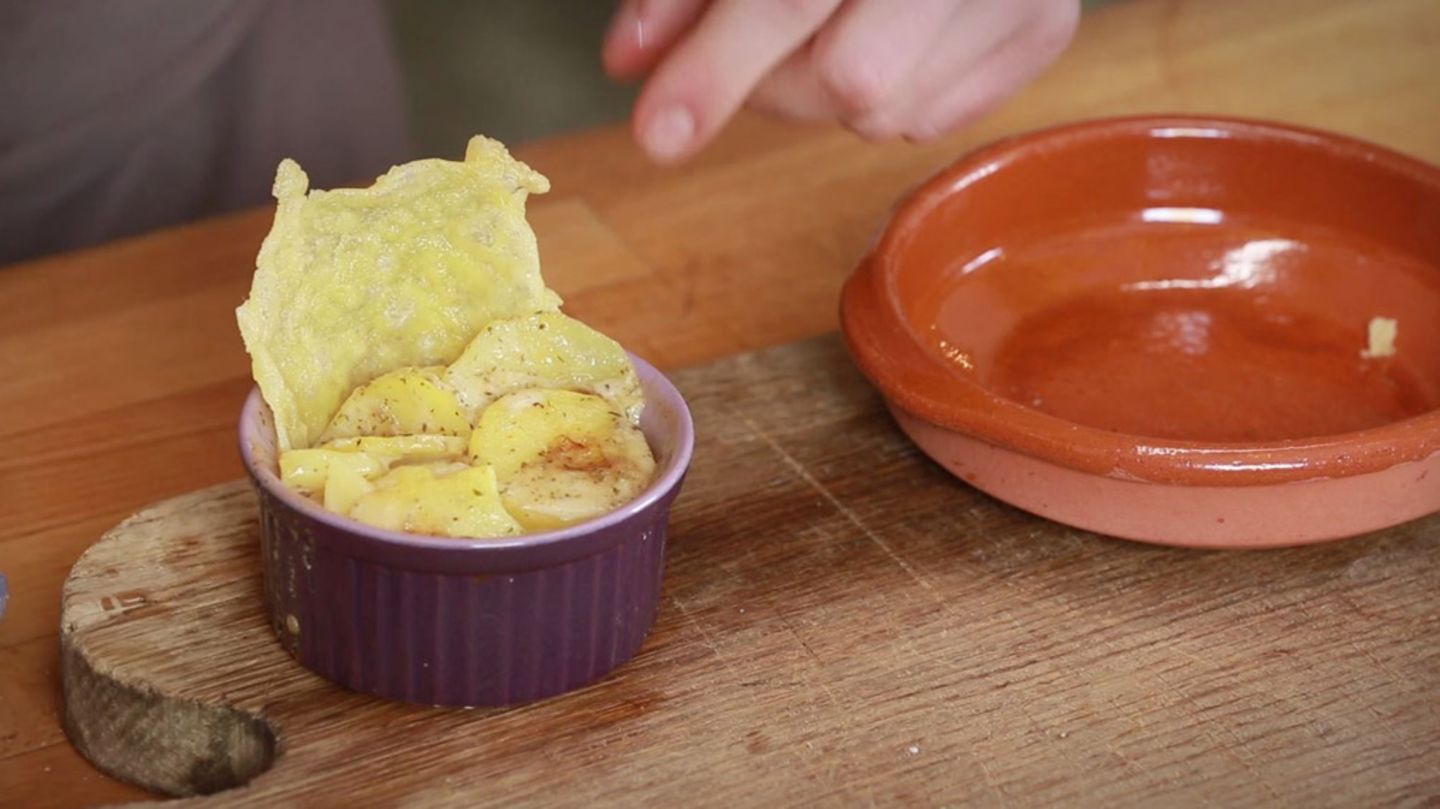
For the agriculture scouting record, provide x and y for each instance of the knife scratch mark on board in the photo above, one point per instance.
(847, 513)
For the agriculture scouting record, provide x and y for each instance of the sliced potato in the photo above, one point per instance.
(312, 471)
(344, 487)
(396, 449)
(464, 503)
(407, 401)
(524, 426)
(542, 497)
(561, 456)
(543, 350)
(307, 470)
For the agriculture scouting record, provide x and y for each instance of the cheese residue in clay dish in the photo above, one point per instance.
(1381, 338)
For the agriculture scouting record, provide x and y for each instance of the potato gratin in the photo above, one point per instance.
(421, 375)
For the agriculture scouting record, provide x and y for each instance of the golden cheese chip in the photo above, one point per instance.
(352, 283)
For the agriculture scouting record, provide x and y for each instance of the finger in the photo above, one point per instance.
(966, 38)
(793, 90)
(867, 55)
(642, 31)
(983, 84)
(709, 73)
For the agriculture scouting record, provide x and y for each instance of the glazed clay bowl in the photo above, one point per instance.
(1156, 328)
(466, 622)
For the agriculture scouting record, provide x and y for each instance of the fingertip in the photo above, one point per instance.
(675, 114)
(667, 131)
(707, 75)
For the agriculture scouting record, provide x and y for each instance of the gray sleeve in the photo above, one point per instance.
(121, 117)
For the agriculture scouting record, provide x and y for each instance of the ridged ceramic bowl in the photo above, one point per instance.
(1156, 328)
(466, 622)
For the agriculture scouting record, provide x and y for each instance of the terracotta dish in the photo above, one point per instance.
(1160, 329)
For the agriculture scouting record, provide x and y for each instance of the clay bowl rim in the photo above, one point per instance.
(881, 339)
(538, 548)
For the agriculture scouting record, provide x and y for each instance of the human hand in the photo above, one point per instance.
(915, 69)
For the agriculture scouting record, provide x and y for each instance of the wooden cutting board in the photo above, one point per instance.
(843, 623)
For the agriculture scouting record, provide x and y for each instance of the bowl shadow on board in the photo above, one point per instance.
(1155, 328)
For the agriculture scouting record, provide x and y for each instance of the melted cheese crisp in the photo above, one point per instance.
(420, 372)
(355, 282)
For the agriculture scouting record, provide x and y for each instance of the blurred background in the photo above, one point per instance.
(513, 69)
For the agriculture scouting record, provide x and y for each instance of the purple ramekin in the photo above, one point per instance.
(466, 622)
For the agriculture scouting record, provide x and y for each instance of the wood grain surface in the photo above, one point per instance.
(843, 624)
(121, 372)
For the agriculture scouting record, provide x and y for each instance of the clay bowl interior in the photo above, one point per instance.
(1176, 301)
